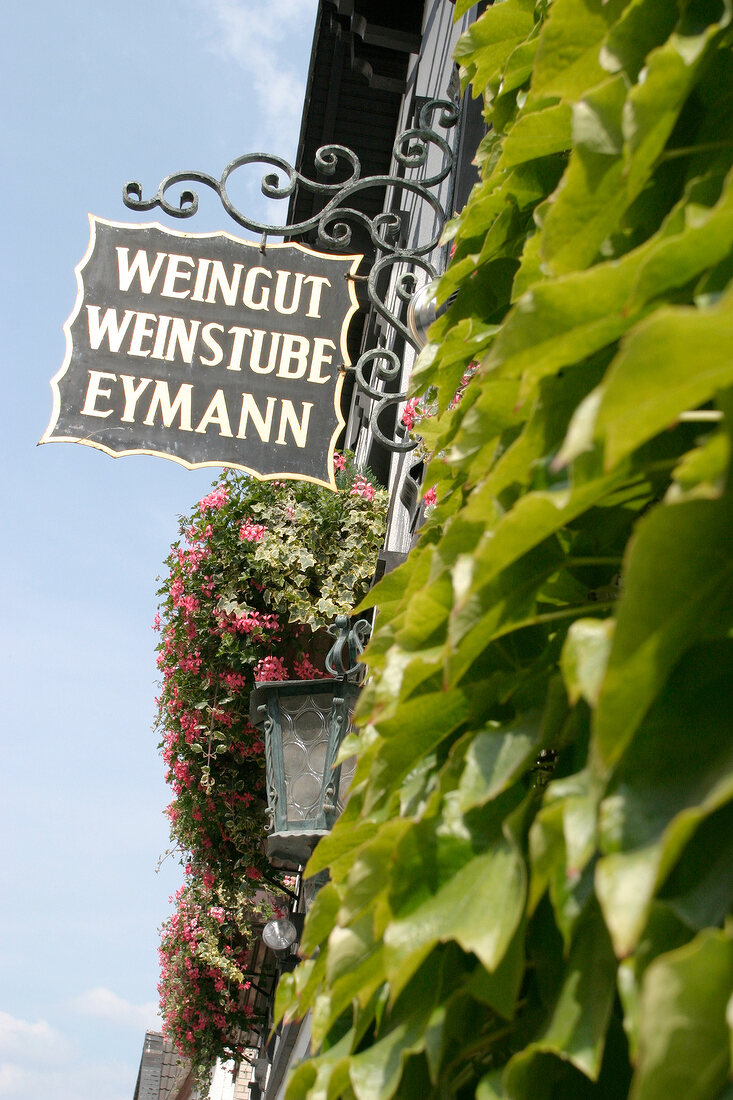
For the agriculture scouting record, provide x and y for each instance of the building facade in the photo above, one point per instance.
(382, 82)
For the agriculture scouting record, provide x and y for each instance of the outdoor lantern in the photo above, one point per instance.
(304, 723)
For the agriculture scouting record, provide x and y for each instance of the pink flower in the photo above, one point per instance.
(271, 668)
(430, 497)
(233, 680)
(251, 532)
(466, 378)
(190, 663)
(362, 488)
(214, 501)
(305, 669)
(339, 461)
(156, 622)
(409, 414)
(250, 622)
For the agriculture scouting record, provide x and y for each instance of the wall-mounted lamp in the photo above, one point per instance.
(423, 309)
(304, 723)
(280, 934)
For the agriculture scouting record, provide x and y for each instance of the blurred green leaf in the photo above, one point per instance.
(684, 1046)
(480, 908)
(648, 815)
(585, 657)
(677, 588)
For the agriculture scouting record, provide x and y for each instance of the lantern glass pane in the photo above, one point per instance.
(304, 719)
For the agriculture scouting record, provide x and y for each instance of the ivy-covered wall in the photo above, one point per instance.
(531, 884)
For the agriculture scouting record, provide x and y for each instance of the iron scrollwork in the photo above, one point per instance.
(342, 659)
(271, 785)
(333, 229)
(328, 801)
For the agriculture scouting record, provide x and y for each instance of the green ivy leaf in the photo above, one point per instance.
(568, 61)
(375, 1073)
(648, 815)
(700, 888)
(684, 1045)
(585, 657)
(482, 50)
(657, 355)
(539, 134)
(479, 907)
(576, 1026)
(677, 588)
(495, 758)
(408, 736)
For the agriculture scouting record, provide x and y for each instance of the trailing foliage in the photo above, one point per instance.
(531, 883)
(255, 580)
(205, 953)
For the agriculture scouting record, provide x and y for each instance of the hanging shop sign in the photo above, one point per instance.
(206, 349)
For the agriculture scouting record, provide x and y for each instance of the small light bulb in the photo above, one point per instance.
(423, 310)
(279, 934)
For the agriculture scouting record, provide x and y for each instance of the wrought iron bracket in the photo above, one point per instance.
(333, 223)
(349, 644)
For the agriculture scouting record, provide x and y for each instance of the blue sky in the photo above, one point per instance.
(96, 94)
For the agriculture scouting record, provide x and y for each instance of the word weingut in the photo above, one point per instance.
(172, 275)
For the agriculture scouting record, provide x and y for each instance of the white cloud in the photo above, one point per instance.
(87, 1081)
(103, 1004)
(36, 1060)
(252, 33)
(256, 37)
(21, 1040)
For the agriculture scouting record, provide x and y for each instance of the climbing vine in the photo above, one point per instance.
(530, 887)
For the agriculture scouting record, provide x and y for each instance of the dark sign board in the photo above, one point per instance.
(206, 349)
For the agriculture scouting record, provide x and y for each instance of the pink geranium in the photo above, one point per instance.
(251, 531)
(305, 669)
(362, 488)
(271, 668)
(214, 501)
(410, 414)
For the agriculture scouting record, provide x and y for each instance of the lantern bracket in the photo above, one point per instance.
(350, 642)
(411, 192)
